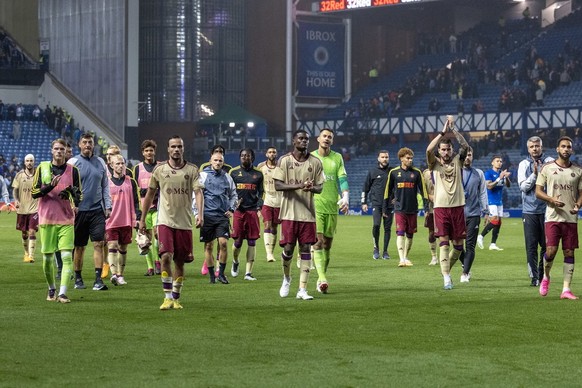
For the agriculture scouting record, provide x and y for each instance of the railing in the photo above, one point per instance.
(525, 121)
(236, 143)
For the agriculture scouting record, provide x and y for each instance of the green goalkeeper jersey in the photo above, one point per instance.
(333, 168)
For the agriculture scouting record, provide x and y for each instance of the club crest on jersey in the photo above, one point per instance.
(310, 169)
(572, 175)
(173, 172)
(186, 177)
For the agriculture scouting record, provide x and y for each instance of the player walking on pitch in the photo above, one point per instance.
(559, 184)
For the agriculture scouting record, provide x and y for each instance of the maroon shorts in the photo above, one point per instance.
(176, 241)
(565, 231)
(271, 214)
(245, 225)
(122, 235)
(405, 223)
(26, 222)
(429, 222)
(293, 231)
(450, 221)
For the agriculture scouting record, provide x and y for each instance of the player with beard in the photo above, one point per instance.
(299, 175)
(249, 188)
(449, 197)
(559, 184)
(272, 203)
(176, 180)
(374, 187)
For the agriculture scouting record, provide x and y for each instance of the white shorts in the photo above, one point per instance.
(496, 211)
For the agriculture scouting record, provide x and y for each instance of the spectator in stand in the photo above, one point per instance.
(434, 105)
(36, 113)
(452, 43)
(373, 74)
(11, 112)
(539, 96)
(1, 110)
(16, 130)
(19, 112)
(477, 107)
(565, 78)
(460, 108)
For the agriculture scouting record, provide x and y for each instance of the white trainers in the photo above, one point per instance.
(249, 276)
(284, 291)
(480, 241)
(465, 278)
(434, 261)
(121, 280)
(408, 263)
(234, 269)
(302, 294)
(494, 247)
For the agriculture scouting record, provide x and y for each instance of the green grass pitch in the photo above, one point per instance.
(380, 325)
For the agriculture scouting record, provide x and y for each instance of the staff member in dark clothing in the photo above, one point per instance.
(374, 187)
(249, 187)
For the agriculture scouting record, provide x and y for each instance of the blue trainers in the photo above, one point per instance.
(385, 256)
(99, 286)
(448, 285)
(79, 284)
(376, 254)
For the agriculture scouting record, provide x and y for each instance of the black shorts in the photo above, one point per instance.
(213, 228)
(89, 224)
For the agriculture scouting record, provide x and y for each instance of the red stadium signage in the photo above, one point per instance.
(346, 5)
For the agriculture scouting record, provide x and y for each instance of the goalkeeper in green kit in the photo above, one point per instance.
(327, 204)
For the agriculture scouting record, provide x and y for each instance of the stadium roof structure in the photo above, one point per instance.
(232, 114)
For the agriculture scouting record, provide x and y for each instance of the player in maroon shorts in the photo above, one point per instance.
(245, 222)
(272, 204)
(125, 214)
(562, 181)
(26, 207)
(449, 197)
(299, 175)
(404, 183)
(176, 180)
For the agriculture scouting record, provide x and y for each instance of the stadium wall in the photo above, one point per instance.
(16, 94)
